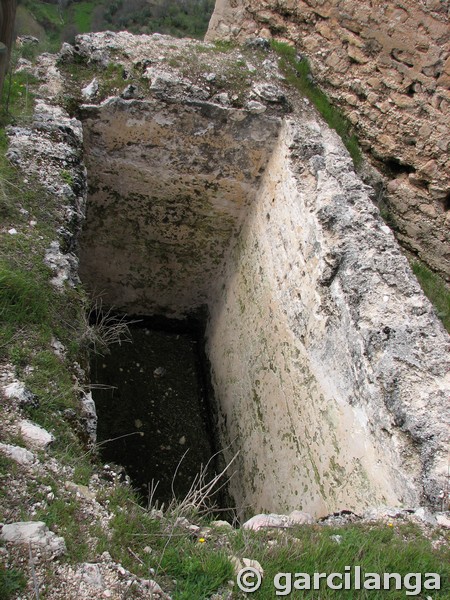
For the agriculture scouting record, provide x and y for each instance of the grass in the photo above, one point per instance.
(21, 300)
(400, 548)
(198, 569)
(17, 98)
(298, 74)
(436, 291)
(82, 15)
(64, 517)
(187, 568)
(12, 582)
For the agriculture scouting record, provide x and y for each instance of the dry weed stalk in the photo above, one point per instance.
(201, 490)
(103, 328)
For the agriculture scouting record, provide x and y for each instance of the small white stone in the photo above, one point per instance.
(255, 107)
(221, 525)
(20, 455)
(443, 521)
(90, 91)
(15, 390)
(36, 533)
(253, 564)
(35, 435)
(92, 575)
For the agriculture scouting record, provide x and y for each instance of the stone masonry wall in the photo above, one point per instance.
(387, 65)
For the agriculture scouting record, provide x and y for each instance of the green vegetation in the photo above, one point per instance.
(82, 16)
(436, 291)
(12, 582)
(32, 311)
(298, 74)
(391, 548)
(200, 565)
(54, 23)
(17, 97)
(184, 565)
(65, 516)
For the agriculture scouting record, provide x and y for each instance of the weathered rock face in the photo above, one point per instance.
(388, 67)
(328, 363)
(317, 342)
(170, 183)
(171, 177)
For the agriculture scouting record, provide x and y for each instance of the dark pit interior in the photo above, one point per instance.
(153, 396)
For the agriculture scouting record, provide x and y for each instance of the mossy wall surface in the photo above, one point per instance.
(169, 186)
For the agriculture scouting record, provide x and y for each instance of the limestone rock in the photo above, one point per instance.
(35, 435)
(269, 92)
(425, 515)
(316, 323)
(63, 265)
(155, 589)
(297, 517)
(80, 490)
(255, 107)
(263, 521)
(17, 391)
(221, 525)
(91, 574)
(36, 533)
(20, 455)
(443, 520)
(90, 91)
(239, 564)
(89, 417)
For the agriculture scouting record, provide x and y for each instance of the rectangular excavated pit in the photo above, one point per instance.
(169, 188)
(265, 222)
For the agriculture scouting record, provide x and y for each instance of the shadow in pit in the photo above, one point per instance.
(153, 400)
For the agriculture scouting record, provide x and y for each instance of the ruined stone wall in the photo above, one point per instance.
(387, 65)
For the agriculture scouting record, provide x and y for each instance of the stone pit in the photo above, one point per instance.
(327, 362)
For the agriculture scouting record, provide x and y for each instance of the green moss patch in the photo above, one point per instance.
(298, 74)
